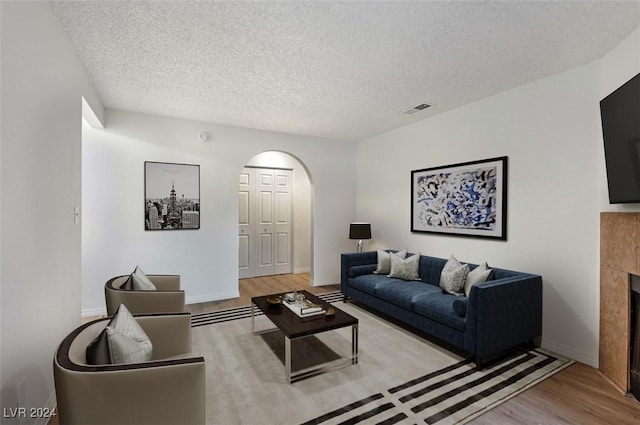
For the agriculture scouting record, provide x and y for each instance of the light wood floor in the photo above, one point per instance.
(577, 395)
(266, 285)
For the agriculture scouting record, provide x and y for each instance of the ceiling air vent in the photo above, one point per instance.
(417, 108)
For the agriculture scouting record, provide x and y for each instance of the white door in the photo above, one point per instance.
(265, 228)
(264, 248)
(245, 222)
(283, 209)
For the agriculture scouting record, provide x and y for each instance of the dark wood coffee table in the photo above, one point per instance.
(294, 327)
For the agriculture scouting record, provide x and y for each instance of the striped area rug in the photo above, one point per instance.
(201, 319)
(452, 395)
(410, 384)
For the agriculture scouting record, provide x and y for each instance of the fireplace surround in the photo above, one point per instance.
(619, 276)
(634, 353)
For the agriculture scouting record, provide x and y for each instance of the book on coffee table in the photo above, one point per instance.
(303, 310)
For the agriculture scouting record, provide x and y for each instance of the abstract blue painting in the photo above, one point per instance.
(467, 199)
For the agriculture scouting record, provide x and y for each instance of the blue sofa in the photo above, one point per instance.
(497, 315)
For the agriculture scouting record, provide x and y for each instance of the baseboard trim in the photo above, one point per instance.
(571, 352)
(302, 270)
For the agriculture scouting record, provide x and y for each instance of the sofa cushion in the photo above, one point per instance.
(438, 307)
(367, 283)
(478, 275)
(384, 261)
(460, 306)
(355, 271)
(402, 293)
(405, 268)
(453, 276)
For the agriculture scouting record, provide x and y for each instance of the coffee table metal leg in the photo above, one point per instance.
(287, 358)
(354, 344)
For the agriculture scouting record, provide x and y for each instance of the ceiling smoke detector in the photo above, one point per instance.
(416, 108)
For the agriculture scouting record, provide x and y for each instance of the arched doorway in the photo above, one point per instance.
(275, 226)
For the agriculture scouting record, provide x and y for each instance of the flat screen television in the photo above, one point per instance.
(620, 114)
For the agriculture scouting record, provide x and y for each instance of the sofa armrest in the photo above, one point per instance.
(350, 259)
(503, 313)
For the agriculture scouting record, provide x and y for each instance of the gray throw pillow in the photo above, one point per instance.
(405, 268)
(453, 276)
(478, 275)
(97, 351)
(128, 343)
(126, 349)
(128, 284)
(140, 281)
(384, 261)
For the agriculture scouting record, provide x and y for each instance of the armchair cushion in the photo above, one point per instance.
(121, 341)
(98, 351)
(128, 284)
(138, 281)
(128, 343)
(141, 282)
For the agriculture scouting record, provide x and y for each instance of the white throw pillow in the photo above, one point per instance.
(453, 276)
(478, 275)
(128, 343)
(405, 268)
(140, 281)
(384, 261)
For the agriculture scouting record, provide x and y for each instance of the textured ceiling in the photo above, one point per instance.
(338, 70)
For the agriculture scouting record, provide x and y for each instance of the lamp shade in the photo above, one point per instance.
(360, 231)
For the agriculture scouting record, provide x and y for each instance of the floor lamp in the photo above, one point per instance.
(360, 231)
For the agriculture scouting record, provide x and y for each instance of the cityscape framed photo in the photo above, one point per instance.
(465, 199)
(171, 196)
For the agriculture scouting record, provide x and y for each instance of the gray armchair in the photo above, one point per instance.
(167, 298)
(169, 389)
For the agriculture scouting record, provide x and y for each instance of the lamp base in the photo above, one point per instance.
(360, 245)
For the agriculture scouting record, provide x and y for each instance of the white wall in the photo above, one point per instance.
(549, 129)
(301, 205)
(42, 88)
(114, 239)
